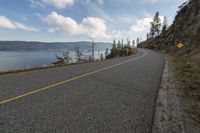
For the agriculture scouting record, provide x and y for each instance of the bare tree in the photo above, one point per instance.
(92, 40)
(78, 54)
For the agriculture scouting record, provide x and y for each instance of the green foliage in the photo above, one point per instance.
(155, 26)
(102, 57)
(120, 50)
(78, 54)
(63, 60)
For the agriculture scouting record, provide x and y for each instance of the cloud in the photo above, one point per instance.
(90, 26)
(60, 4)
(35, 3)
(141, 25)
(152, 1)
(8, 24)
(100, 2)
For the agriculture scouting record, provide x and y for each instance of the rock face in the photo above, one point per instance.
(185, 28)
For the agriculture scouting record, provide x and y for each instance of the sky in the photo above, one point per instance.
(80, 20)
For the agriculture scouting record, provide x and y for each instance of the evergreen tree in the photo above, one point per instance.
(157, 23)
(128, 43)
(148, 36)
(65, 59)
(78, 54)
(102, 58)
(119, 45)
(155, 26)
(138, 40)
(114, 43)
(133, 43)
(165, 25)
(106, 52)
(122, 42)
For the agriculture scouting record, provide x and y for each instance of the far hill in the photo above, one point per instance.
(50, 46)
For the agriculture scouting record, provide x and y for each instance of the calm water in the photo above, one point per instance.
(21, 60)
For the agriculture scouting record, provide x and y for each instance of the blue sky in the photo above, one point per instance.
(76, 20)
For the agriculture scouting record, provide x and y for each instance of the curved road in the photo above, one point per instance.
(116, 95)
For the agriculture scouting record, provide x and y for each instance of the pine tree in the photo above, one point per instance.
(119, 45)
(62, 60)
(133, 43)
(165, 25)
(106, 52)
(155, 26)
(128, 43)
(102, 58)
(157, 23)
(78, 54)
(122, 43)
(138, 40)
(114, 43)
(148, 36)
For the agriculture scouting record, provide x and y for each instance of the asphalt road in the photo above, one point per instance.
(116, 95)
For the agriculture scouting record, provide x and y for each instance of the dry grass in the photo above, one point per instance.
(187, 72)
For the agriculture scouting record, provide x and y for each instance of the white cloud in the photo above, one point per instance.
(100, 2)
(35, 3)
(152, 1)
(59, 3)
(8, 24)
(90, 26)
(141, 25)
(93, 27)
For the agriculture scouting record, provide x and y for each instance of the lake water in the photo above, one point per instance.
(19, 60)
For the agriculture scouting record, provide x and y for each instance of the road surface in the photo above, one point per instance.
(116, 95)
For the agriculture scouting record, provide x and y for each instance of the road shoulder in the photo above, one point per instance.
(168, 114)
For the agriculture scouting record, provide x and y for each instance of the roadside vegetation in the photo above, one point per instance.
(120, 50)
(187, 72)
(181, 42)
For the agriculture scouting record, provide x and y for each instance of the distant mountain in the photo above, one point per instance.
(52, 46)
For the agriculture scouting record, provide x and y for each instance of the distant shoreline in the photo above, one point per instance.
(53, 66)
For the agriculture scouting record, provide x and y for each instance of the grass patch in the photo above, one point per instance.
(186, 69)
(194, 112)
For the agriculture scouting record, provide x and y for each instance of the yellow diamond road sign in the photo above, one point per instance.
(180, 45)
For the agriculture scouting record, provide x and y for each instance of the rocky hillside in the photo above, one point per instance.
(185, 28)
(184, 62)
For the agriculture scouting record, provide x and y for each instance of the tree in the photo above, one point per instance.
(165, 25)
(128, 43)
(92, 48)
(119, 45)
(106, 52)
(133, 42)
(157, 23)
(155, 26)
(122, 42)
(138, 40)
(114, 43)
(148, 36)
(62, 60)
(78, 54)
(102, 58)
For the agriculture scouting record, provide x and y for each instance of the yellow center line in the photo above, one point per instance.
(65, 81)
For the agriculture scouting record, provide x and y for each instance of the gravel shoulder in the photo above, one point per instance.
(169, 115)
